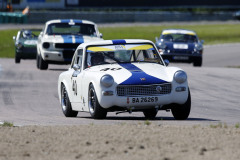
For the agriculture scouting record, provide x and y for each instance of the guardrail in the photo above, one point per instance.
(13, 17)
(114, 17)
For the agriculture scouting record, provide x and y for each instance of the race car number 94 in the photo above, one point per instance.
(144, 99)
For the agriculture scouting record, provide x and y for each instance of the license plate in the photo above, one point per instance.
(143, 100)
(180, 46)
(180, 57)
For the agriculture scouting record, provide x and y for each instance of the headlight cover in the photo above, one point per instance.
(180, 77)
(19, 45)
(107, 80)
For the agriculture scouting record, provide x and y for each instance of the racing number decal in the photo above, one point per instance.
(112, 69)
(74, 87)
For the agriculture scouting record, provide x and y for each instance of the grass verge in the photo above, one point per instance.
(6, 124)
(211, 34)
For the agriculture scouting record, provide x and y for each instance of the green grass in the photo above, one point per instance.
(211, 34)
(237, 125)
(6, 124)
(6, 43)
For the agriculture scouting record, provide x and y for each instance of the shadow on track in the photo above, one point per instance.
(128, 118)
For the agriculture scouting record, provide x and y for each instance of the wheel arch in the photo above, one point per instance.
(64, 82)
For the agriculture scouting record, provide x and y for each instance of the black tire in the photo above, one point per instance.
(17, 59)
(37, 61)
(95, 110)
(150, 113)
(66, 104)
(197, 63)
(43, 65)
(182, 111)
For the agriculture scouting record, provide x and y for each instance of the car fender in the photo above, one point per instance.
(68, 89)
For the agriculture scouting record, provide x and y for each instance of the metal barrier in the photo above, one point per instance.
(13, 17)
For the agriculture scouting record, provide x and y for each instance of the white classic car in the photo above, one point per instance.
(60, 38)
(124, 76)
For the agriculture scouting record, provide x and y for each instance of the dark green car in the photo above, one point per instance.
(26, 44)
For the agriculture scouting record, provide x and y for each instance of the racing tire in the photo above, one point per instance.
(37, 61)
(197, 63)
(43, 65)
(66, 104)
(150, 113)
(182, 111)
(17, 59)
(95, 110)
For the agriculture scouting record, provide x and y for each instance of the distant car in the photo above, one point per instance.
(26, 44)
(60, 38)
(179, 45)
(236, 15)
(122, 76)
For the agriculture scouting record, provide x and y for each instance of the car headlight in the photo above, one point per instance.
(198, 47)
(46, 45)
(107, 80)
(180, 77)
(19, 45)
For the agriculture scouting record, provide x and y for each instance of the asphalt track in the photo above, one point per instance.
(28, 96)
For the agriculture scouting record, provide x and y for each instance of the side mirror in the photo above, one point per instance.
(14, 38)
(101, 35)
(156, 38)
(202, 41)
(166, 61)
(76, 67)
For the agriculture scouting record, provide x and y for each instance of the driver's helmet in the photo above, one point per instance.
(97, 58)
(27, 34)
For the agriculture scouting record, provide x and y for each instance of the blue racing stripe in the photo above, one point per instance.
(65, 20)
(119, 41)
(139, 77)
(77, 21)
(79, 39)
(67, 39)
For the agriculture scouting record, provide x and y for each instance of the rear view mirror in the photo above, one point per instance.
(101, 35)
(76, 67)
(14, 38)
(166, 61)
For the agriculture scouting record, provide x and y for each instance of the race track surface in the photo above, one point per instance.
(28, 96)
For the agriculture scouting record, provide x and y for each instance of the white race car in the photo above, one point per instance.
(124, 76)
(60, 38)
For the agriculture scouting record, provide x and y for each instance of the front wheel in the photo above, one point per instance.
(150, 113)
(197, 63)
(182, 111)
(37, 61)
(17, 59)
(66, 104)
(43, 65)
(96, 111)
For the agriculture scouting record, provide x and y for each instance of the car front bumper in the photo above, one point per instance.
(144, 101)
(64, 56)
(182, 57)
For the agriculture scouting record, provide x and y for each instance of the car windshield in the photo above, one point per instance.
(71, 29)
(173, 37)
(128, 53)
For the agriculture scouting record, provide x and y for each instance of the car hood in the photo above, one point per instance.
(28, 42)
(136, 73)
(70, 38)
(180, 46)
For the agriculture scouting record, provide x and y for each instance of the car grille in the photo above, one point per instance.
(68, 54)
(138, 90)
(67, 45)
(181, 51)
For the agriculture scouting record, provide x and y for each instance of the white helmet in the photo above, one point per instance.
(27, 34)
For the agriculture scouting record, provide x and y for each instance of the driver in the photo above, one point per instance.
(97, 58)
(27, 34)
